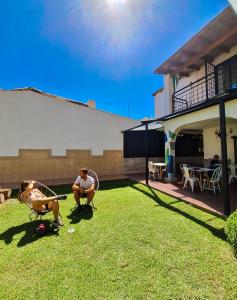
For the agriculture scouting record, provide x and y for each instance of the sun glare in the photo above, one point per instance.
(116, 2)
(105, 30)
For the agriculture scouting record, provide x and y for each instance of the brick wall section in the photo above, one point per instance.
(41, 165)
(137, 165)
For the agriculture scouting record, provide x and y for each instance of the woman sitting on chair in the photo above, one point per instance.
(38, 201)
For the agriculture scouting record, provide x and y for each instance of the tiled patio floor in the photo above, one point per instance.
(205, 200)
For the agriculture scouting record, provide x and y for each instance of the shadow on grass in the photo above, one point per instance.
(85, 213)
(152, 195)
(112, 184)
(104, 185)
(30, 235)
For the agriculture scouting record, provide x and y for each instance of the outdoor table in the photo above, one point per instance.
(160, 167)
(200, 171)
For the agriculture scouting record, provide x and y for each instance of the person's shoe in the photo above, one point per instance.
(78, 207)
(87, 207)
(58, 222)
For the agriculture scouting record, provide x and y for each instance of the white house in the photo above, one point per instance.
(197, 77)
(47, 137)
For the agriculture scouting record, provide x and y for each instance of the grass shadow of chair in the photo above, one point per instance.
(85, 213)
(30, 235)
(152, 195)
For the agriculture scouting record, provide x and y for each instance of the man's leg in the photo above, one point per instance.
(90, 196)
(77, 196)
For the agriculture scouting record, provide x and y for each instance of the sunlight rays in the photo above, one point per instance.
(119, 24)
(116, 2)
(104, 32)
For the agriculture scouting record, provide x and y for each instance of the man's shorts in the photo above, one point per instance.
(84, 195)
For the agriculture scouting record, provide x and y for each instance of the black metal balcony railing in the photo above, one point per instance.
(219, 79)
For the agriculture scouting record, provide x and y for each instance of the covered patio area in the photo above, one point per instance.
(215, 126)
(205, 200)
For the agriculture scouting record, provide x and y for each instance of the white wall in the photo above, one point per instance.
(160, 105)
(163, 105)
(29, 120)
(212, 143)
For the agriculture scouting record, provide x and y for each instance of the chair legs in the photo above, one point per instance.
(185, 182)
(212, 186)
(93, 205)
(192, 183)
(152, 176)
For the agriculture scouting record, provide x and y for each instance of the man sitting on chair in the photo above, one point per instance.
(84, 186)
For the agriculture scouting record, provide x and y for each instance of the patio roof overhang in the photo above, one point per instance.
(199, 126)
(151, 125)
(220, 101)
(215, 38)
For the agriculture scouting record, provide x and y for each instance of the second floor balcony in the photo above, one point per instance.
(218, 80)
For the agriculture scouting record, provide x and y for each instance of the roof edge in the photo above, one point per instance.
(32, 89)
(158, 91)
(160, 72)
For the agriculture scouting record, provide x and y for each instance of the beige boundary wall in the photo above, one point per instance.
(49, 138)
(42, 166)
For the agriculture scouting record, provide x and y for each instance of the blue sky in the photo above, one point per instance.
(104, 50)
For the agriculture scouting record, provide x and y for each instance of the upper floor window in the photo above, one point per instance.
(227, 75)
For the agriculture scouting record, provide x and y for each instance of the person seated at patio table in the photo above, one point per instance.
(38, 201)
(215, 161)
(84, 186)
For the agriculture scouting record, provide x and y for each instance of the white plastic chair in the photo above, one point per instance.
(182, 171)
(191, 179)
(213, 184)
(153, 172)
(231, 174)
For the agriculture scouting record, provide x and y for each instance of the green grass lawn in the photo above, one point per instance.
(138, 244)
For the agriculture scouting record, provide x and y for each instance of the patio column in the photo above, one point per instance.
(170, 155)
(224, 157)
(146, 152)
